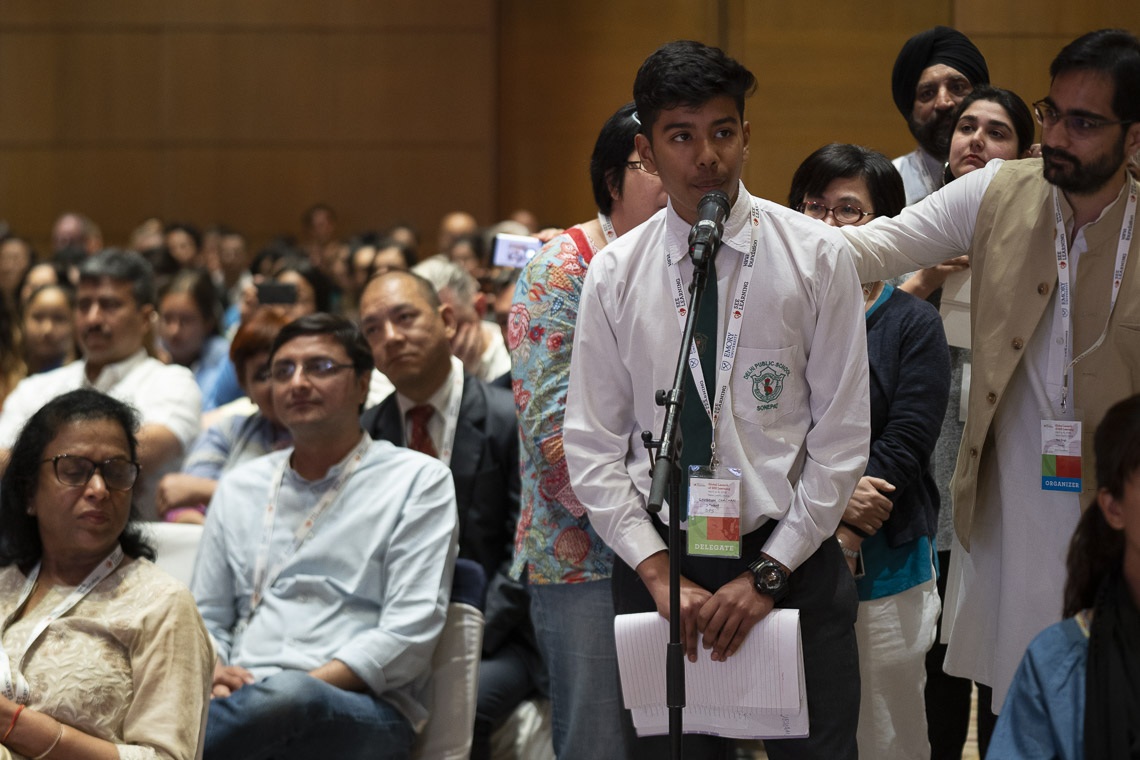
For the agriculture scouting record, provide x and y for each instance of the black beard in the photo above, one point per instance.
(934, 136)
(1066, 171)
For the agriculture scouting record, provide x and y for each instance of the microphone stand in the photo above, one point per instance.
(667, 480)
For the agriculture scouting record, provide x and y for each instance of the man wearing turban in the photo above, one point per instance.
(934, 70)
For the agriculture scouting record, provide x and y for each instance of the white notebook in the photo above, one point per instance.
(758, 693)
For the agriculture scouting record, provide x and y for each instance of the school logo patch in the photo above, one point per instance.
(767, 382)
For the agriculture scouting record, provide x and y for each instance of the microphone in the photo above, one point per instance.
(704, 238)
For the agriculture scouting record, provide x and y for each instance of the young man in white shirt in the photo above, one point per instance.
(788, 394)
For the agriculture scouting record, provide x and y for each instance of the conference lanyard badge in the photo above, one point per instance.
(714, 511)
(1061, 455)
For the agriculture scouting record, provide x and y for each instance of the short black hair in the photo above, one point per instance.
(689, 74)
(121, 266)
(611, 152)
(1014, 106)
(20, 542)
(343, 330)
(1114, 52)
(846, 161)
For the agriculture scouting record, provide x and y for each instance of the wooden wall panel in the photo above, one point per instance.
(565, 67)
(824, 76)
(247, 113)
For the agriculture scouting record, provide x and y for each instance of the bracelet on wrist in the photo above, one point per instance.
(54, 744)
(15, 715)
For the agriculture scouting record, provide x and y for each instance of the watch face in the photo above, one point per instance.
(771, 576)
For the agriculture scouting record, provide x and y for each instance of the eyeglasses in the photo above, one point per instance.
(845, 213)
(318, 368)
(637, 166)
(74, 470)
(1077, 125)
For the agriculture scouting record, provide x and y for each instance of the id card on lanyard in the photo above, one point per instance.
(715, 493)
(1061, 467)
(12, 683)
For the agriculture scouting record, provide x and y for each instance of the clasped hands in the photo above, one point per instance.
(720, 621)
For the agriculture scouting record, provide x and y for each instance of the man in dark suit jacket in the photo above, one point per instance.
(470, 426)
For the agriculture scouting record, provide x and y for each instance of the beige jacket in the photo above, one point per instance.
(1013, 261)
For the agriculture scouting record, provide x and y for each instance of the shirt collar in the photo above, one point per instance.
(333, 471)
(112, 374)
(737, 230)
(438, 400)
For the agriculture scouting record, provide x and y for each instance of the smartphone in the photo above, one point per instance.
(514, 250)
(276, 293)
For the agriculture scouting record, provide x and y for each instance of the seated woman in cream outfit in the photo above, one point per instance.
(104, 655)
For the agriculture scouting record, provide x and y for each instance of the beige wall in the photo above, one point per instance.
(248, 112)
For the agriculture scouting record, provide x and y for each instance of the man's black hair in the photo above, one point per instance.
(341, 329)
(688, 74)
(121, 266)
(1114, 52)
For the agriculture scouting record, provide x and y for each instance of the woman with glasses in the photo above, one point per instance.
(888, 527)
(104, 655)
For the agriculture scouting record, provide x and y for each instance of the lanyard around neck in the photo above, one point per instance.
(607, 228)
(1064, 285)
(732, 332)
(12, 683)
(265, 575)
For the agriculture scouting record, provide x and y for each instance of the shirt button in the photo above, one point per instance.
(974, 452)
(991, 397)
(1042, 288)
(1018, 343)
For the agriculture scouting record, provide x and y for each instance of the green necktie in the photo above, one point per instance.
(696, 429)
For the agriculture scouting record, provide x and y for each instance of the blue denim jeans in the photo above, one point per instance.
(291, 714)
(574, 623)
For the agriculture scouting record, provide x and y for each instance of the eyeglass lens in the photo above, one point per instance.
(320, 367)
(118, 474)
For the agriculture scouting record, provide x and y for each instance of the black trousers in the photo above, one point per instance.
(823, 590)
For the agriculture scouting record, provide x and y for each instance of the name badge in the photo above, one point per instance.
(714, 512)
(1061, 455)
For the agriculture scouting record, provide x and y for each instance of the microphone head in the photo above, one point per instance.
(714, 205)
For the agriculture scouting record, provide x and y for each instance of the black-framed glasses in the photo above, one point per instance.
(74, 471)
(317, 368)
(844, 213)
(1077, 125)
(637, 166)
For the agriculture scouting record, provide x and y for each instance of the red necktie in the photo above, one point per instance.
(421, 439)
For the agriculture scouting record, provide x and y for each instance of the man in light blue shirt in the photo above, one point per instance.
(324, 570)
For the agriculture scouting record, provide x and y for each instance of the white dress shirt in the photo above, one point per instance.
(801, 456)
(163, 394)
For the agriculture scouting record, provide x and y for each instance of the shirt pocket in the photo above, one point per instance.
(767, 384)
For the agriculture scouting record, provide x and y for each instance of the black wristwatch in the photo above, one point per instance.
(770, 578)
